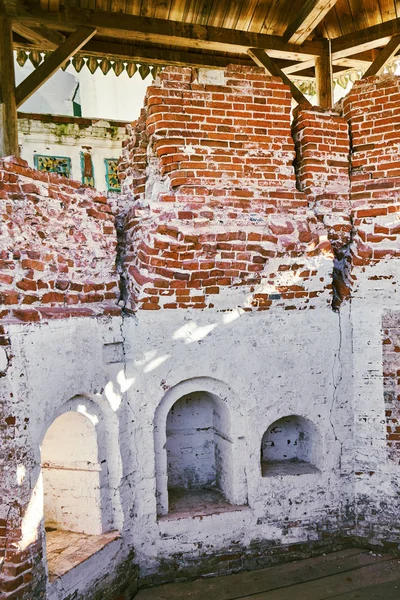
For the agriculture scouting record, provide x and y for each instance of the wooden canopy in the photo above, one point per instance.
(289, 38)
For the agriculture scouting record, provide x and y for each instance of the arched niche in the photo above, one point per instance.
(199, 444)
(71, 475)
(291, 446)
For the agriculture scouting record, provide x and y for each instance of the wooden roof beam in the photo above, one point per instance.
(164, 32)
(51, 64)
(365, 39)
(46, 39)
(262, 59)
(305, 21)
(383, 57)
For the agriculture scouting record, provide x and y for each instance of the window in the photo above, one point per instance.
(53, 164)
(112, 177)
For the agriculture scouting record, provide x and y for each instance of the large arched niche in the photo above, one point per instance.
(199, 442)
(291, 445)
(82, 467)
(71, 475)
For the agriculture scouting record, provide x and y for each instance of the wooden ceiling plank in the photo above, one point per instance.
(304, 22)
(345, 17)
(133, 7)
(388, 9)
(160, 31)
(252, 15)
(176, 10)
(52, 63)
(331, 25)
(162, 9)
(388, 52)
(372, 37)
(359, 14)
(48, 39)
(262, 59)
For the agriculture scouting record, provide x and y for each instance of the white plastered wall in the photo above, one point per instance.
(377, 480)
(263, 367)
(129, 374)
(67, 367)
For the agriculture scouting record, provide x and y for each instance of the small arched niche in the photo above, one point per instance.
(199, 454)
(290, 446)
(71, 475)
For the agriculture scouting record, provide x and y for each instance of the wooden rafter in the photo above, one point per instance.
(383, 57)
(262, 59)
(46, 39)
(38, 77)
(304, 22)
(366, 39)
(118, 26)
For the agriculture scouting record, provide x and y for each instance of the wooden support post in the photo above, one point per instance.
(8, 107)
(262, 59)
(383, 57)
(40, 75)
(324, 79)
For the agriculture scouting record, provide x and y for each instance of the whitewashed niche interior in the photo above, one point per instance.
(76, 486)
(291, 446)
(198, 464)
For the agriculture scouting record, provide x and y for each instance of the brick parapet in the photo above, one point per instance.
(210, 170)
(57, 248)
(372, 109)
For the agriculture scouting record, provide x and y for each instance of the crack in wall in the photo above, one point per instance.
(337, 377)
(342, 266)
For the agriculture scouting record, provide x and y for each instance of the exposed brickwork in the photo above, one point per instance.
(322, 143)
(224, 205)
(57, 249)
(373, 111)
(391, 382)
(210, 169)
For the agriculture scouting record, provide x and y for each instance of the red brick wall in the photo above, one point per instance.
(219, 208)
(57, 249)
(373, 111)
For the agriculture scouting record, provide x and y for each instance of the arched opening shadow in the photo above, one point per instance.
(290, 446)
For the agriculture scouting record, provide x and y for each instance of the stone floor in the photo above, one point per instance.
(352, 574)
(286, 467)
(66, 549)
(197, 502)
